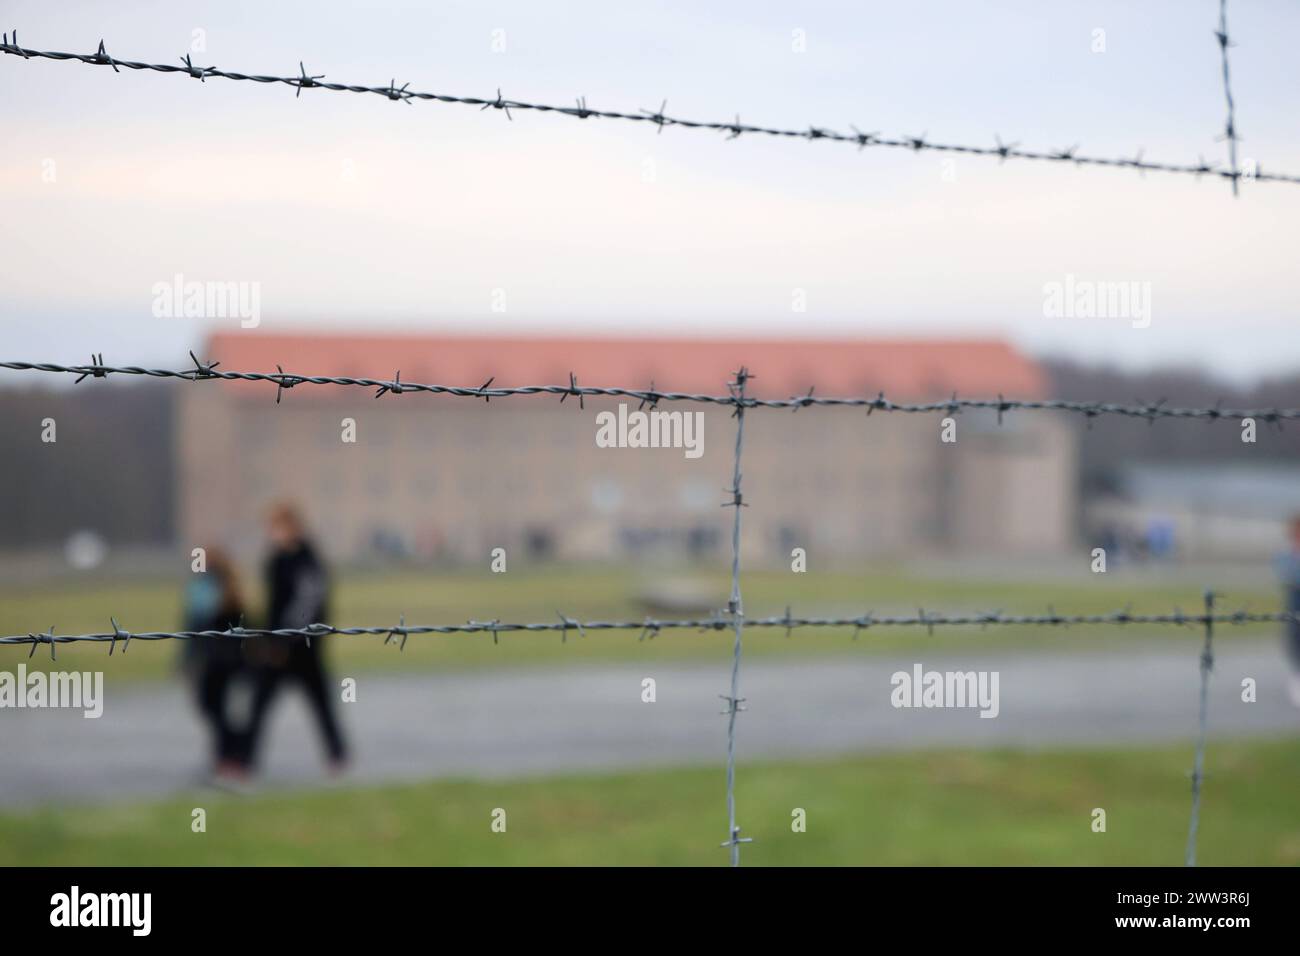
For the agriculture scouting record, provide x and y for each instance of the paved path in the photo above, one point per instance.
(546, 720)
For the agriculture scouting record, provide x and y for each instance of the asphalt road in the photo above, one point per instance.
(502, 723)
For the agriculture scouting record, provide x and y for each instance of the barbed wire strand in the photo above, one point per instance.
(649, 627)
(283, 381)
(735, 607)
(1198, 768)
(916, 144)
(1230, 127)
(734, 619)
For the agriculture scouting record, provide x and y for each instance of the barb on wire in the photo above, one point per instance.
(118, 633)
(199, 73)
(96, 370)
(396, 92)
(45, 638)
(395, 386)
(496, 627)
(285, 380)
(101, 57)
(574, 390)
(861, 138)
(201, 370)
(399, 631)
(500, 104)
(567, 622)
(658, 118)
(303, 81)
(650, 626)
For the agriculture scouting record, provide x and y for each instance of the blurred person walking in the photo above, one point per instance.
(298, 595)
(1288, 569)
(216, 665)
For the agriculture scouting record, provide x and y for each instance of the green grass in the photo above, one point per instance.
(442, 597)
(949, 808)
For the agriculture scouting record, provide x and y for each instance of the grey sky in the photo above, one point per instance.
(354, 211)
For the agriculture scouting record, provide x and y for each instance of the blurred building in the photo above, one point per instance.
(1198, 510)
(443, 477)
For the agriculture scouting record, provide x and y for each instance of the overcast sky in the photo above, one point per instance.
(351, 210)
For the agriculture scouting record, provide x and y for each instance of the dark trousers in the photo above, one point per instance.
(303, 666)
(214, 680)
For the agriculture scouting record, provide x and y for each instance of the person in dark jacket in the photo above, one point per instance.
(298, 595)
(216, 665)
(1288, 569)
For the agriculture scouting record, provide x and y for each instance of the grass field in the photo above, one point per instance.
(443, 597)
(952, 808)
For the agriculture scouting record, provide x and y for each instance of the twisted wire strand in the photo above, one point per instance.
(580, 110)
(878, 403)
(650, 626)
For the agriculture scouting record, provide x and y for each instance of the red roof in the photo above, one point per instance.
(908, 369)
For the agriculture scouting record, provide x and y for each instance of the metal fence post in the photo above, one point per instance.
(736, 610)
(1198, 769)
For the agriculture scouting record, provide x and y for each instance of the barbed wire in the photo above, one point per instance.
(735, 608)
(304, 80)
(283, 381)
(1230, 126)
(649, 627)
(733, 617)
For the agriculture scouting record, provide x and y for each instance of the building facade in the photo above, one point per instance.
(450, 478)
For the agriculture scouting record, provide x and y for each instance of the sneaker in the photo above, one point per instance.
(232, 778)
(1293, 689)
